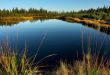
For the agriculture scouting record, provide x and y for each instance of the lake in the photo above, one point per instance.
(66, 40)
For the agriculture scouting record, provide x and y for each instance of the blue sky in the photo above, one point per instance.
(57, 5)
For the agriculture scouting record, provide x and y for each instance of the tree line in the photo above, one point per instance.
(99, 13)
(15, 12)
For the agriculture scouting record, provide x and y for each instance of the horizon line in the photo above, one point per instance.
(54, 10)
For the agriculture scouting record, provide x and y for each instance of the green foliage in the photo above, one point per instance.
(15, 12)
(99, 13)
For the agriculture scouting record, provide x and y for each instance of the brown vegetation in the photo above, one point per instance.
(88, 21)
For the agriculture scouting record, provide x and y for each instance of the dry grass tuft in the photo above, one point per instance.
(88, 66)
(10, 65)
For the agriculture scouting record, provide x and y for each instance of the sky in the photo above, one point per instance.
(54, 5)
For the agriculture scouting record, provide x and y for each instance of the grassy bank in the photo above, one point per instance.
(13, 20)
(101, 25)
(70, 19)
(86, 21)
(16, 20)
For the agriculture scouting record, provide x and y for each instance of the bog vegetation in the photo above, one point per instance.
(10, 64)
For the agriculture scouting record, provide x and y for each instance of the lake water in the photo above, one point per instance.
(66, 40)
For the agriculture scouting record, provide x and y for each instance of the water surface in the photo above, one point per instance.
(66, 40)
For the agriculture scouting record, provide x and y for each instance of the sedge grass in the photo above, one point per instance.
(88, 66)
(10, 65)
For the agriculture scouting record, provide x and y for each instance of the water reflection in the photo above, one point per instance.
(104, 29)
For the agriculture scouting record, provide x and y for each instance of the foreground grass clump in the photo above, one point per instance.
(88, 66)
(11, 65)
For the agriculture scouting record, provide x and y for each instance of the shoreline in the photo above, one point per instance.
(15, 20)
(70, 19)
(86, 21)
(26, 18)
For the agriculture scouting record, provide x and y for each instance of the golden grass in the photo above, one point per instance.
(88, 66)
(13, 20)
(88, 21)
(10, 65)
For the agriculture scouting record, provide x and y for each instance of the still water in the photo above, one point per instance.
(66, 40)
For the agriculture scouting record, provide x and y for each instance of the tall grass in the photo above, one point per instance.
(88, 66)
(11, 65)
